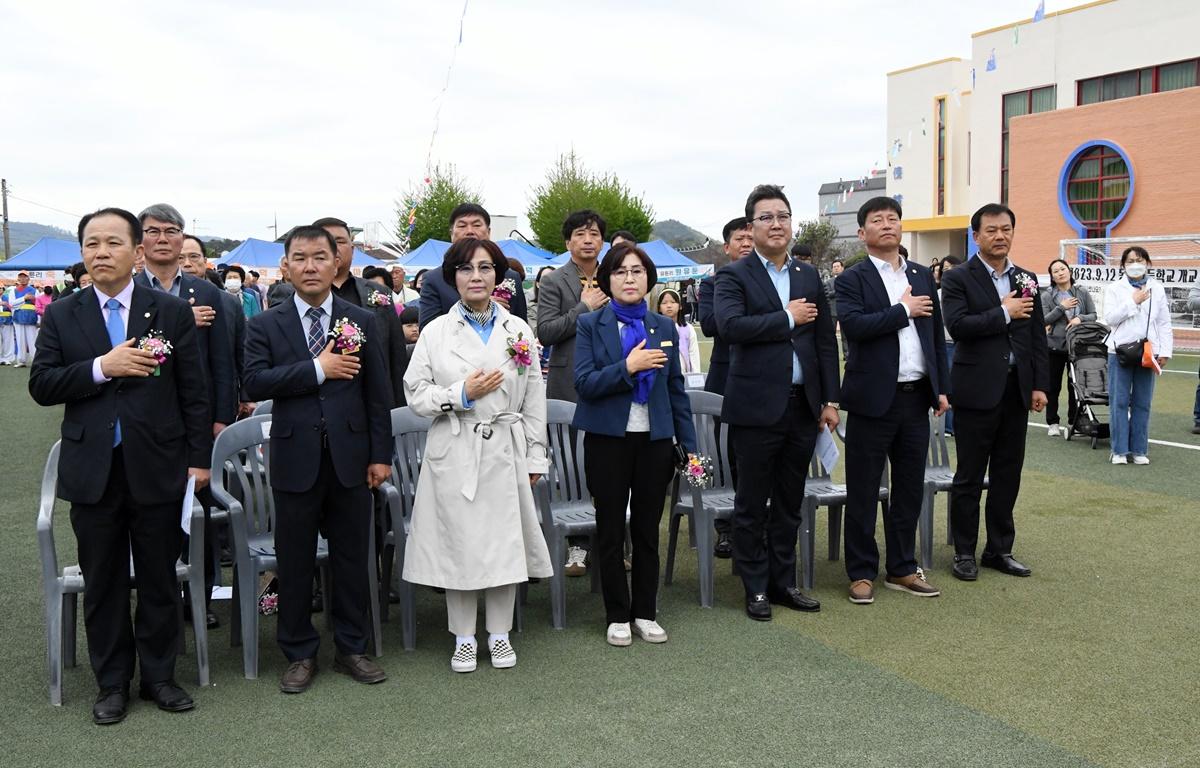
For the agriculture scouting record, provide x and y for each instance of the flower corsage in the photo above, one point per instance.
(379, 299)
(348, 338)
(155, 342)
(505, 290)
(520, 350)
(1027, 286)
(698, 470)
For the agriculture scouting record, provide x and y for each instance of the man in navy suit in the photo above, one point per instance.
(466, 220)
(133, 430)
(895, 372)
(782, 388)
(738, 243)
(331, 442)
(1000, 373)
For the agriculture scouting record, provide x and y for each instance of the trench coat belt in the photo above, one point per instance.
(482, 429)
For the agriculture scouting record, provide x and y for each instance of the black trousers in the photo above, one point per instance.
(1058, 364)
(628, 471)
(989, 442)
(343, 514)
(724, 525)
(772, 464)
(902, 436)
(107, 532)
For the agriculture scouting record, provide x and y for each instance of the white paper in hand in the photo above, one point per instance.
(827, 450)
(189, 498)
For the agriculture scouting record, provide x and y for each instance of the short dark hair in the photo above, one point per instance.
(838, 261)
(199, 242)
(953, 261)
(410, 313)
(417, 277)
(235, 268)
(679, 319)
(314, 231)
(372, 271)
(516, 266)
(880, 203)
(582, 218)
(625, 233)
(800, 249)
(733, 225)
(903, 251)
(464, 250)
(992, 209)
(331, 221)
(1050, 266)
(1139, 250)
(469, 209)
(254, 274)
(135, 226)
(613, 259)
(765, 192)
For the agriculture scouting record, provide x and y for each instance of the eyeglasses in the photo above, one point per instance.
(154, 232)
(634, 272)
(770, 218)
(484, 270)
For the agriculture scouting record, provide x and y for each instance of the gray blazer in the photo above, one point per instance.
(1057, 318)
(559, 306)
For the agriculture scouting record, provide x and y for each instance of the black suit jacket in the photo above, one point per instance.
(718, 362)
(166, 422)
(983, 340)
(235, 331)
(392, 331)
(761, 344)
(216, 348)
(870, 323)
(437, 298)
(354, 413)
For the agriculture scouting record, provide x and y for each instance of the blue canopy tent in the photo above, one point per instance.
(47, 253)
(264, 253)
(670, 263)
(425, 256)
(532, 257)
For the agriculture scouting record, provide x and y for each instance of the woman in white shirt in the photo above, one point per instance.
(1135, 307)
(669, 304)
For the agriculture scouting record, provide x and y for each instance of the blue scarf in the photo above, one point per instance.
(1138, 283)
(634, 332)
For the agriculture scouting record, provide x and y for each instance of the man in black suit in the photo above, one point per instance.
(466, 220)
(895, 372)
(130, 439)
(1000, 373)
(738, 243)
(331, 442)
(373, 297)
(782, 388)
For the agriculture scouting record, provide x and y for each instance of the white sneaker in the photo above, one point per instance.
(503, 655)
(649, 631)
(1140, 459)
(463, 659)
(618, 634)
(1121, 459)
(576, 562)
(1054, 431)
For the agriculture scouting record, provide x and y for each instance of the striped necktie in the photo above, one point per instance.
(316, 336)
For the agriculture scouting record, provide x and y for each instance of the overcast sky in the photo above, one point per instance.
(237, 111)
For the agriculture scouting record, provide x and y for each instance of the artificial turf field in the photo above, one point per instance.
(1092, 661)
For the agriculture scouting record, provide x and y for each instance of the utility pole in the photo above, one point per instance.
(4, 197)
(275, 228)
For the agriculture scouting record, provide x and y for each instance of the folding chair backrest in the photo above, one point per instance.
(241, 463)
(706, 411)
(410, 432)
(939, 455)
(566, 482)
(263, 409)
(45, 519)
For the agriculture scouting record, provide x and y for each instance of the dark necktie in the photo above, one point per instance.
(316, 336)
(116, 335)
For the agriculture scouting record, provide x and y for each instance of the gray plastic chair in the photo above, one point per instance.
(263, 409)
(939, 477)
(702, 506)
(61, 588)
(564, 503)
(241, 454)
(409, 431)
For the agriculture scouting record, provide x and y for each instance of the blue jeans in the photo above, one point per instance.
(1129, 394)
(950, 364)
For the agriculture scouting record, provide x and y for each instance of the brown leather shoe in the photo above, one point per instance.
(914, 584)
(862, 592)
(298, 677)
(359, 667)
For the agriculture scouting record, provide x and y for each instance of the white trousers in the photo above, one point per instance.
(499, 602)
(26, 342)
(8, 343)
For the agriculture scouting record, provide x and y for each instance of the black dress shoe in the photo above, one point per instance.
(1004, 564)
(111, 705)
(167, 695)
(796, 600)
(965, 568)
(758, 607)
(211, 621)
(724, 547)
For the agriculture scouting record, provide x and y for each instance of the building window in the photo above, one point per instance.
(1138, 82)
(1016, 104)
(941, 156)
(1098, 189)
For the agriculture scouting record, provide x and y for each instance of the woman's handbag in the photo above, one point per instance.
(1133, 354)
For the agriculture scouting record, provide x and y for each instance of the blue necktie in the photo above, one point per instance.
(316, 336)
(116, 335)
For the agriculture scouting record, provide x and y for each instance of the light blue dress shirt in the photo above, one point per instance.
(1003, 282)
(484, 332)
(782, 280)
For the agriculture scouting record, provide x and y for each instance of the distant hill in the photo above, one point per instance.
(682, 237)
(22, 234)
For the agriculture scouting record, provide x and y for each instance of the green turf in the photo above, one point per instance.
(1091, 661)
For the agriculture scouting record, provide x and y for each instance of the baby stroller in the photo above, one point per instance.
(1087, 375)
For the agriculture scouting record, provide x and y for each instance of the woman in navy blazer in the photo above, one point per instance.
(631, 405)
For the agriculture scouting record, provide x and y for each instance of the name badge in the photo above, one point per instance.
(668, 343)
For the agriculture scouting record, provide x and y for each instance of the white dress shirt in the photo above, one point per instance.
(912, 356)
(302, 307)
(125, 296)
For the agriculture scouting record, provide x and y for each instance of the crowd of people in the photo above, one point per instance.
(159, 354)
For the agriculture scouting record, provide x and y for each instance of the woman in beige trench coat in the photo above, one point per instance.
(474, 524)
